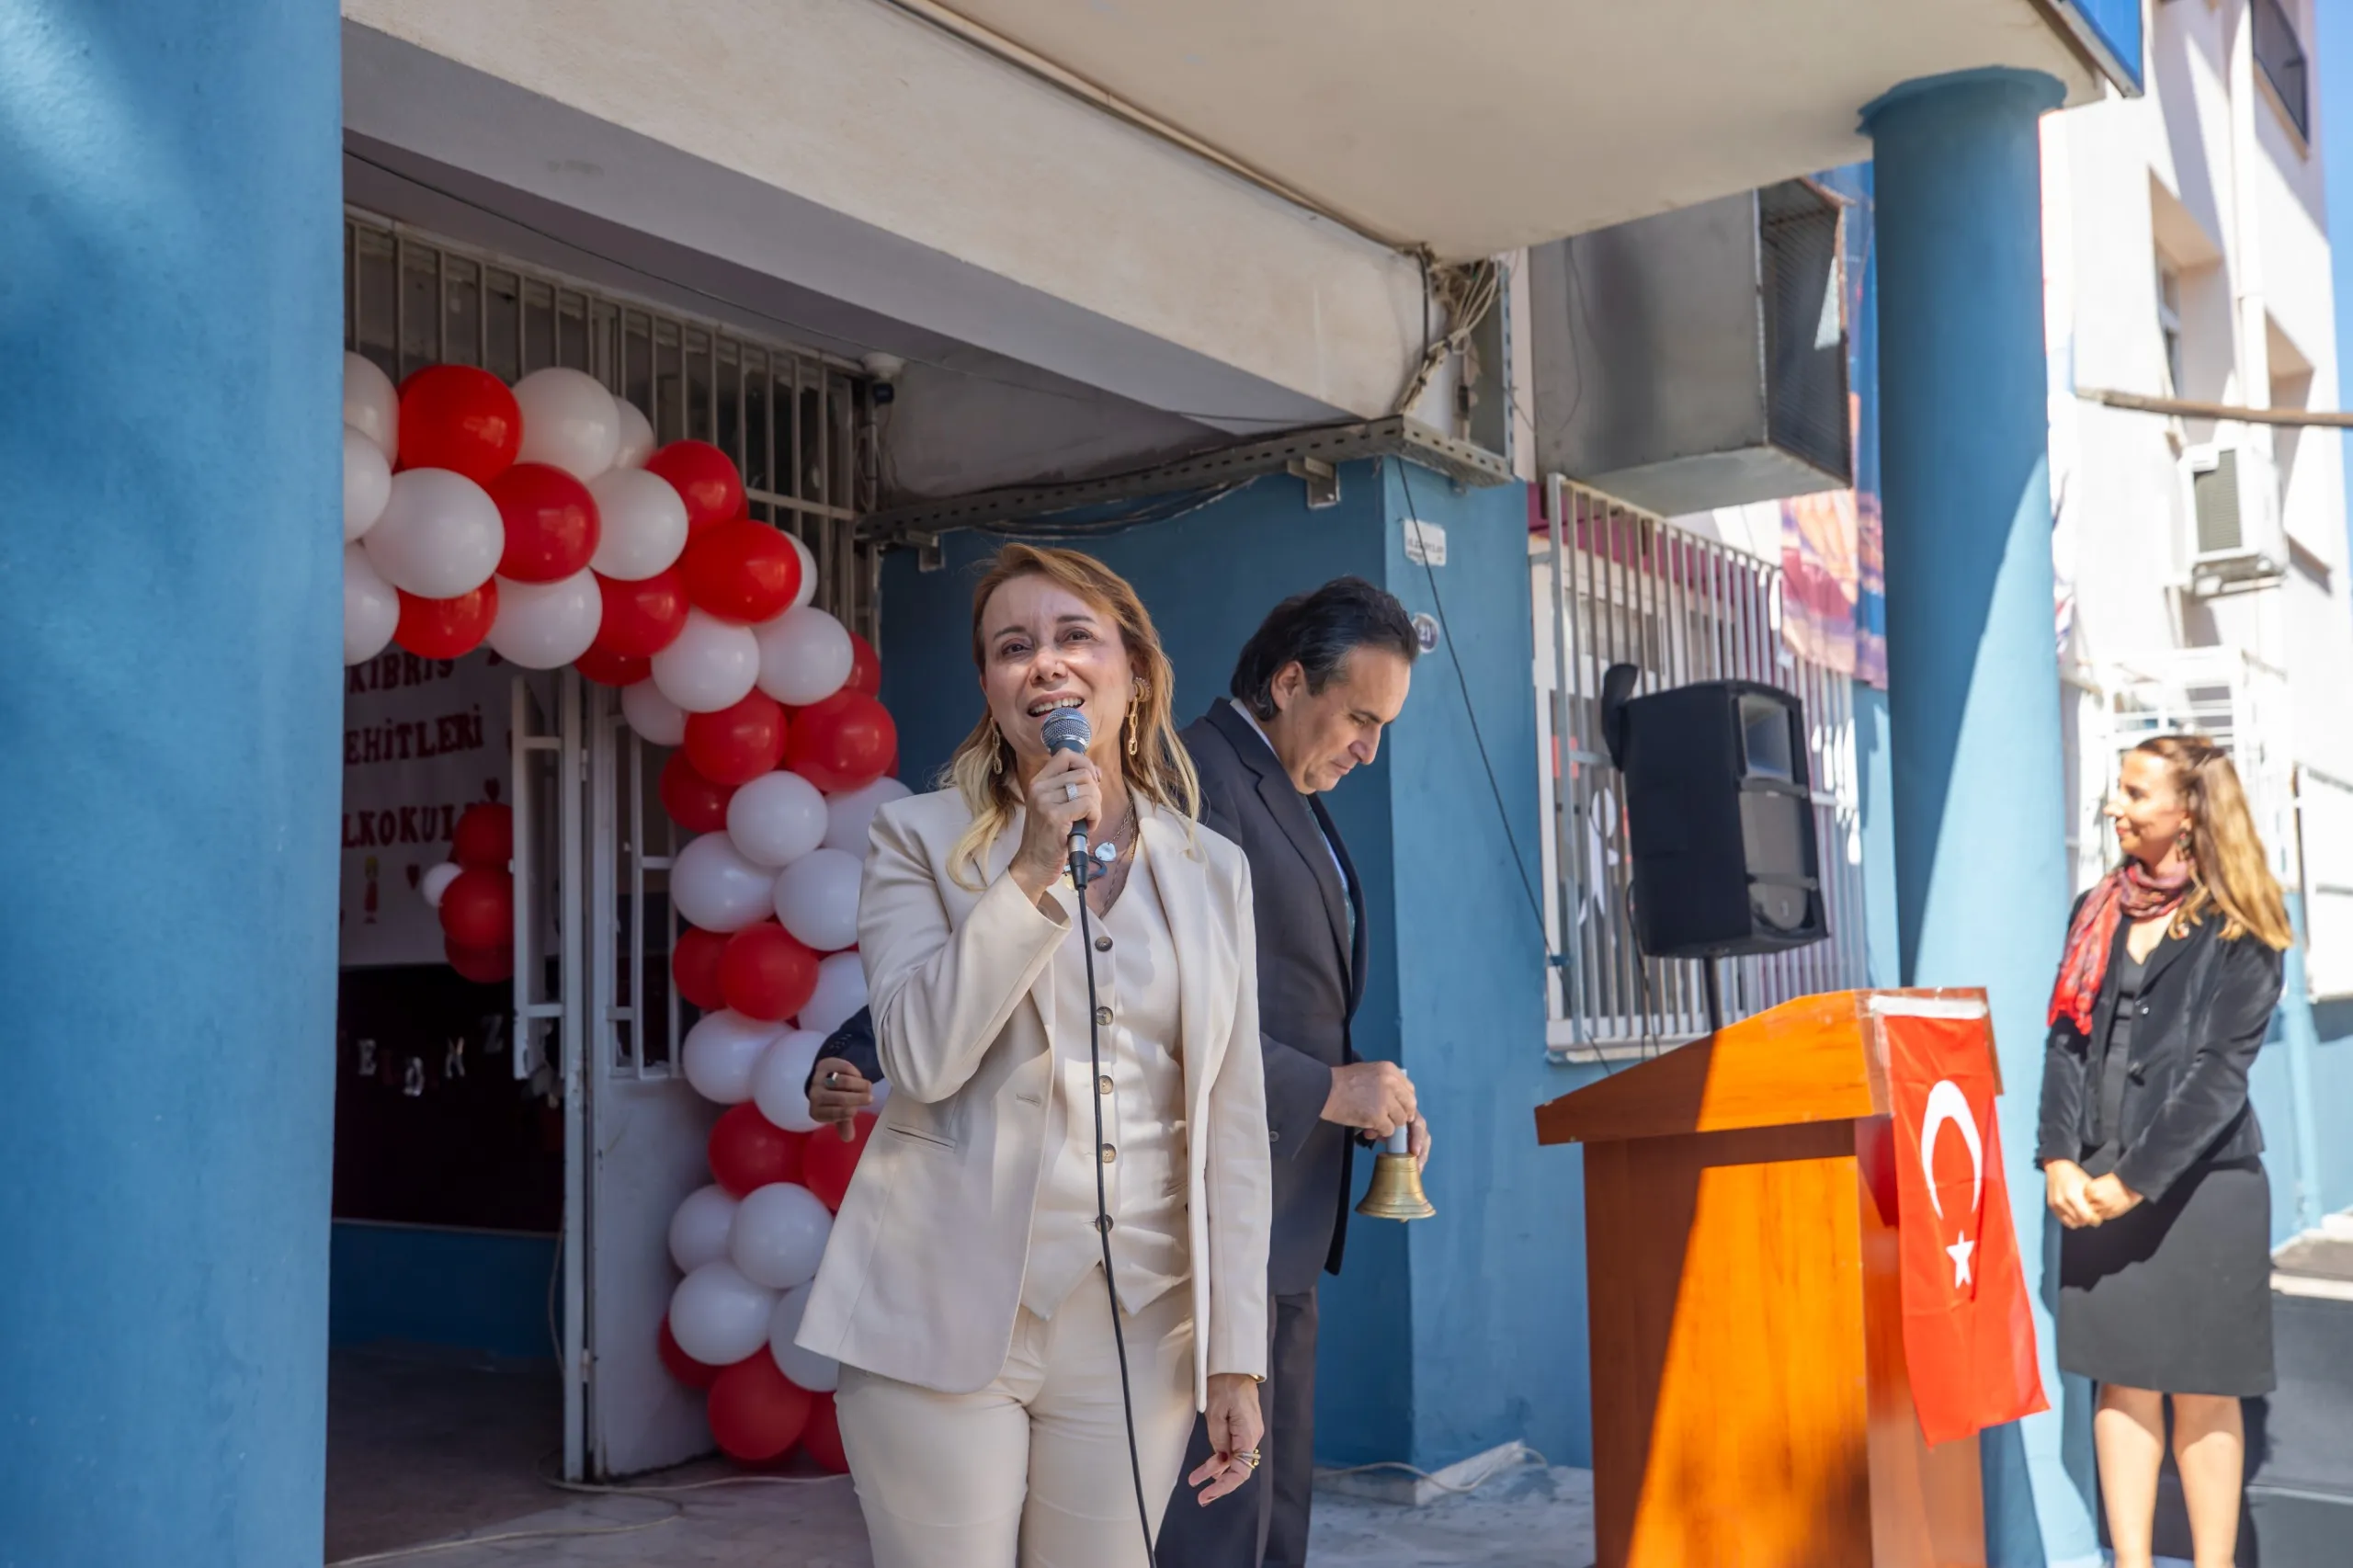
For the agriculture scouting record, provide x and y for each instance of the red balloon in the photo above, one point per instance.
(694, 802)
(608, 668)
(704, 477)
(748, 1151)
(694, 966)
(865, 667)
(742, 571)
(460, 418)
(821, 1440)
(551, 519)
(737, 744)
(446, 629)
(765, 974)
(478, 908)
(755, 1413)
(678, 1364)
(826, 1162)
(484, 836)
(483, 966)
(844, 742)
(642, 618)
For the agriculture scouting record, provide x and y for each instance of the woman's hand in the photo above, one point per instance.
(2067, 1189)
(1068, 789)
(837, 1093)
(2109, 1197)
(1236, 1429)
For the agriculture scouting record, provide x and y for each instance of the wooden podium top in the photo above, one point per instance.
(1815, 1059)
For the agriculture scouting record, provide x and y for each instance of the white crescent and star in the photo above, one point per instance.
(1948, 1104)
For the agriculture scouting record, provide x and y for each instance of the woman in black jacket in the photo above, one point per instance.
(2149, 1148)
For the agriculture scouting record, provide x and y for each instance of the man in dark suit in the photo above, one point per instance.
(1313, 688)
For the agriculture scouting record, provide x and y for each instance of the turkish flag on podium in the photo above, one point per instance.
(1968, 1330)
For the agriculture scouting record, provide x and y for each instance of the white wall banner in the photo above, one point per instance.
(422, 739)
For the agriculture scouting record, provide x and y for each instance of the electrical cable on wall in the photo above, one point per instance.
(1495, 788)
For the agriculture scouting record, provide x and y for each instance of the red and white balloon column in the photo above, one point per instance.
(541, 520)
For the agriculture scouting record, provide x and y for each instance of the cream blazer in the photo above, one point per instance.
(921, 1277)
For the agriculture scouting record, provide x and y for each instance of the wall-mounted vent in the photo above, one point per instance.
(1697, 359)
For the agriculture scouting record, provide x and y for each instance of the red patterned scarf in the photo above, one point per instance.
(2132, 892)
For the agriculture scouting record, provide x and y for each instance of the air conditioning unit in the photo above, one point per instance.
(2235, 540)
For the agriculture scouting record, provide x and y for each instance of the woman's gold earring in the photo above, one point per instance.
(1135, 708)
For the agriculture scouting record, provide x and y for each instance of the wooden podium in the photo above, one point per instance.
(1750, 1404)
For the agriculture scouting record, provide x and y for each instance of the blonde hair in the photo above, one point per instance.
(1152, 758)
(2228, 869)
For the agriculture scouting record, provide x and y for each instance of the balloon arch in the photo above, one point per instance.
(541, 521)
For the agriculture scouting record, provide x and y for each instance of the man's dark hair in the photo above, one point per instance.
(1319, 630)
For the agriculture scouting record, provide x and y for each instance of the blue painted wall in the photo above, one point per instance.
(170, 318)
(476, 1289)
(1458, 1333)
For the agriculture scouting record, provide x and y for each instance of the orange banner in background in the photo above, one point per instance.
(1968, 1328)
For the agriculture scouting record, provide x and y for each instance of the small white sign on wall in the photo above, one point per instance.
(1425, 542)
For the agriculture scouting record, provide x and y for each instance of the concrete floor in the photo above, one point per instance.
(424, 1443)
(1528, 1519)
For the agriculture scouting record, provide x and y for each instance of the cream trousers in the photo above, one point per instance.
(1032, 1470)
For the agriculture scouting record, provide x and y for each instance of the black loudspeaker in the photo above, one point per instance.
(1720, 812)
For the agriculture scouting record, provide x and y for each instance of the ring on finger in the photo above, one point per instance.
(1070, 791)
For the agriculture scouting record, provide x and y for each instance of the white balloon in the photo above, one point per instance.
(804, 656)
(718, 1316)
(849, 816)
(816, 897)
(367, 482)
(717, 888)
(641, 525)
(699, 1230)
(436, 883)
(637, 435)
(545, 626)
(841, 992)
(776, 819)
(779, 1237)
(779, 1084)
(371, 404)
(713, 664)
(654, 717)
(808, 591)
(721, 1051)
(570, 422)
(440, 535)
(803, 1368)
(371, 611)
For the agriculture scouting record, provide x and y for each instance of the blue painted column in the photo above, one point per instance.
(1975, 770)
(170, 604)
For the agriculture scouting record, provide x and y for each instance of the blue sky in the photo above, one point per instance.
(2332, 54)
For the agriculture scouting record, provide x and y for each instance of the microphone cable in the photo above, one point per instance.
(1081, 871)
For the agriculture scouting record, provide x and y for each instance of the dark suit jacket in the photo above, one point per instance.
(1310, 977)
(2204, 1009)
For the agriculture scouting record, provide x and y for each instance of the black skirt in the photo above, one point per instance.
(2175, 1296)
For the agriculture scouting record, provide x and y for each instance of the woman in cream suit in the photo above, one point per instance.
(963, 1290)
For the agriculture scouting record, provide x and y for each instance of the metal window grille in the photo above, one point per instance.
(799, 424)
(2231, 698)
(1614, 585)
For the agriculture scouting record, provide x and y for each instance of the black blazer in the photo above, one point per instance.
(2204, 1009)
(1310, 977)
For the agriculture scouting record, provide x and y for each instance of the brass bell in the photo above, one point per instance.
(1396, 1191)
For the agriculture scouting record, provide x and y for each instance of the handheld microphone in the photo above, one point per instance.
(1066, 729)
